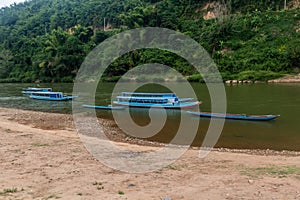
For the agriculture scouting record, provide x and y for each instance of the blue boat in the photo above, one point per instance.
(30, 90)
(109, 107)
(51, 96)
(154, 100)
(235, 116)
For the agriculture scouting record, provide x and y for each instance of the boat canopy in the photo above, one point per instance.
(48, 94)
(141, 94)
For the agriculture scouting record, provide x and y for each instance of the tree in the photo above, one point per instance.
(6, 62)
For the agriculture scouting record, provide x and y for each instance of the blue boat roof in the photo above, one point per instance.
(145, 94)
(148, 98)
(37, 89)
(46, 92)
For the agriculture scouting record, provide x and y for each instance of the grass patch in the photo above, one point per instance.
(121, 192)
(176, 167)
(275, 171)
(8, 190)
(53, 196)
(172, 167)
(158, 171)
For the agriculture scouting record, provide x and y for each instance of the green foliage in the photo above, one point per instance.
(67, 79)
(227, 76)
(48, 40)
(196, 78)
(8, 190)
(258, 75)
(9, 80)
(273, 171)
(6, 63)
(121, 192)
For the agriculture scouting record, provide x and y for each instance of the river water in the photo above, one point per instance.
(280, 134)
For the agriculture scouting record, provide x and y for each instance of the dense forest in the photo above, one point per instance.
(47, 40)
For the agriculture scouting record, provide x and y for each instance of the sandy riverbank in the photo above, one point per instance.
(287, 79)
(43, 158)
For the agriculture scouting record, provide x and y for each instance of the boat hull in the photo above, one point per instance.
(235, 116)
(65, 98)
(184, 105)
(104, 107)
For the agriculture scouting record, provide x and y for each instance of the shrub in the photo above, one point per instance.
(226, 76)
(67, 79)
(9, 80)
(195, 78)
(258, 75)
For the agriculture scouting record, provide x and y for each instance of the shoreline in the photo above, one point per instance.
(293, 79)
(35, 119)
(42, 161)
(287, 78)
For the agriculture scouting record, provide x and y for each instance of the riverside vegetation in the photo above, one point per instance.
(46, 41)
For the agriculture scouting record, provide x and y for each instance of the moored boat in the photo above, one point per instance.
(51, 96)
(235, 116)
(30, 90)
(109, 107)
(154, 100)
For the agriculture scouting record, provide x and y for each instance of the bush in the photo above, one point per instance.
(258, 75)
(67, 79)
(9, 80)
(226, 76)
(27, 80)
(195, 78)
(46, 79)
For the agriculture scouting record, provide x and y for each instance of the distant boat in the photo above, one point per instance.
(235, 116)
(109, 107)
(154, 100)
(51, 96)
(29, 90)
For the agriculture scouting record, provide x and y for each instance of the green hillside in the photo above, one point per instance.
(43, 40)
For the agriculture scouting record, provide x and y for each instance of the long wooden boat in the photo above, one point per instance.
(30, 90)
(109, 107)
(235, 116)
(154, 100)
(51, 96)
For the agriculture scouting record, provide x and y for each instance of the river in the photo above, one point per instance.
(280, 134)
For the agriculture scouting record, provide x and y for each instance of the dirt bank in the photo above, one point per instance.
(43, 158)
(287, 79)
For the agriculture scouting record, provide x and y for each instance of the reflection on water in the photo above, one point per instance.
(283, 99)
